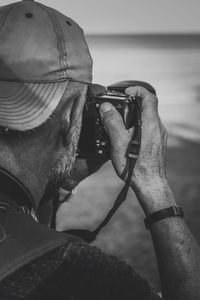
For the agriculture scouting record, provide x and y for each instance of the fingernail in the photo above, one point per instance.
(105, 107)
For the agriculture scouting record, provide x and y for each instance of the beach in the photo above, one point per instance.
(171, 63)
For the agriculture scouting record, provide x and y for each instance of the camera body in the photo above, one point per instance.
(94, 141)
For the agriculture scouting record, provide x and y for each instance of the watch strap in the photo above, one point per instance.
(173, 211)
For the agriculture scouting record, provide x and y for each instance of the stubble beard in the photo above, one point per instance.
(65, 161)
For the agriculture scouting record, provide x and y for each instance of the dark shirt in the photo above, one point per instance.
(39, 263)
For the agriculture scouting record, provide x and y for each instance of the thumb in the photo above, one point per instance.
(112, 121)
(119, 136)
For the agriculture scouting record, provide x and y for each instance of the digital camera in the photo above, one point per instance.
(94, 140)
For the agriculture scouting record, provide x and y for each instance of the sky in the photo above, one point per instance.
(131, 16)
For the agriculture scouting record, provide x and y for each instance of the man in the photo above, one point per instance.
(45, 69)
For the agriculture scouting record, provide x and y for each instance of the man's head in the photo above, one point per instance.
(45, 68)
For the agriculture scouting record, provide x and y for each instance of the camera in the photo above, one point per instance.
(94, 140)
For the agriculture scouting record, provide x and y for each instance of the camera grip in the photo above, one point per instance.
(121, 86)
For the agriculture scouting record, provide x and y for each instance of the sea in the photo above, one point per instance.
(171, 63)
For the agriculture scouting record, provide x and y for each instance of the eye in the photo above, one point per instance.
(29, 15)
(68, 23)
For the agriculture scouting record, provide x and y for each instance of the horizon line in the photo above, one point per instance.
(144, 34)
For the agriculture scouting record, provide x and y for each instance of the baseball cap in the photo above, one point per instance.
(41, 50)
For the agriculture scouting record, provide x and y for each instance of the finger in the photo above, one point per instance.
(119, 136)
(138, 91)
(112, 120)
(149, 100)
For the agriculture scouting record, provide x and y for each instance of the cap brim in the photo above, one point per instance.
(25, 106)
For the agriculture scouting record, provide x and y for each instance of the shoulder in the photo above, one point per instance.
(77, 270)
(106, 272)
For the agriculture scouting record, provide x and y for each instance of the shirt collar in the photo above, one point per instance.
(12, 187)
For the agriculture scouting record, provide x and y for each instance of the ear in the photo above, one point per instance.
(66, 123)
(71, 117)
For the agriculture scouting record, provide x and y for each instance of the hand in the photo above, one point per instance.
(149, 175)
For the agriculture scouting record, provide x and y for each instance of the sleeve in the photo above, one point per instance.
(96, 275)
(76, 271)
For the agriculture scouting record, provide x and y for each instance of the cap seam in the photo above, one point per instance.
(44, 81)
(44, 9)
(54, 90)
(59, 34)
(59, 39)
(35, 81)
(15, 94)
(34, 116)
(62, 45)
(6, 12)
(32, 105)
(20, 102)
(22, 96)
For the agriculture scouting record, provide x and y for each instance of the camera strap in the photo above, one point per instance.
(132, 155)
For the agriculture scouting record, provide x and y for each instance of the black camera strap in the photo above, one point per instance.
(132, 155)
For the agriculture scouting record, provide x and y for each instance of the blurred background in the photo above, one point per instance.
(159, 42)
